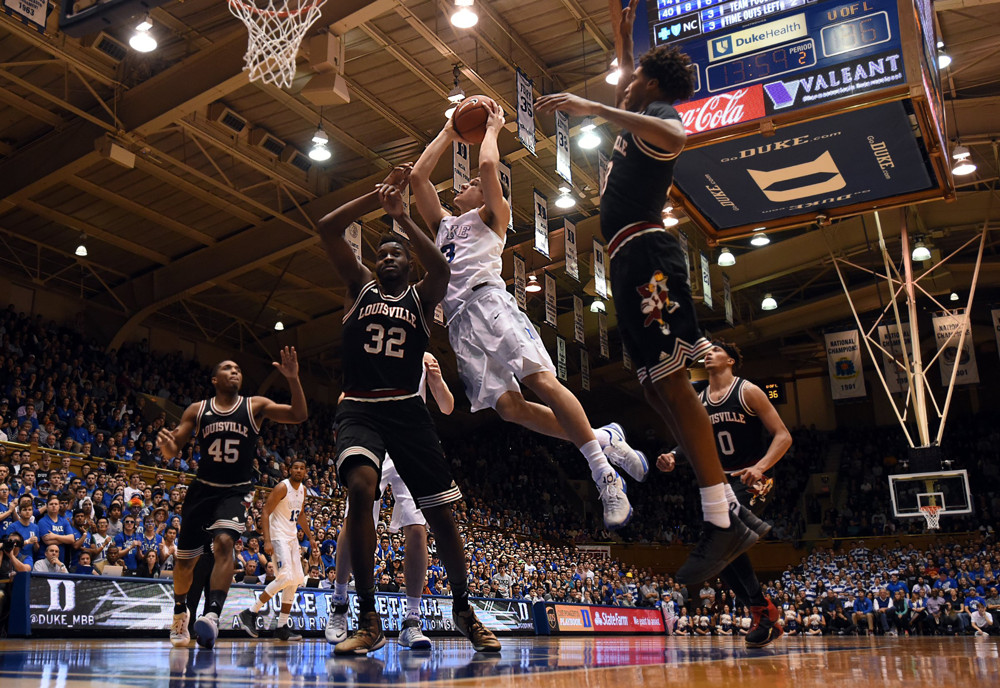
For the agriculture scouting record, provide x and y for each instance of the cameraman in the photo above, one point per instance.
(10, 566)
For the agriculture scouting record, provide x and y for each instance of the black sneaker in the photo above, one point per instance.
(285, 633)
(764, 631)
(750, 520)
(716, 549)
(248, 622)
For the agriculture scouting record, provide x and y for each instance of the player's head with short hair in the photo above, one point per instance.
(297, 470)
(664, 73)
(731, 350)
(392, 260)
(227, 375)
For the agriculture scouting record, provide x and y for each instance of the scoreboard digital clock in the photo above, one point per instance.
(775, 392)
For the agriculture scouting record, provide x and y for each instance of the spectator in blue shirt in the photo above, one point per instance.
(83, 537)
(28, 483)
(863, 612)
(28, 532)
(895, 584)
(128, 542)
(54, 529)
(150, 540)
(944, 581)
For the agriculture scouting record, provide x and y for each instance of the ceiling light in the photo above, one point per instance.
(954, 296)
(533, 286)
(456, 95)
(565, 200)
(615, 74)
(768, 304)
(320, 153)
(464, 16)
(760, 238)
(320, 137)
(963, 161)
(589, 138)
(669, 220)
(921, 252)
(279, 326)
(597, 306)
(81, 250)
(726, 258)
(142, 40)
(944, 59)
(450, 111)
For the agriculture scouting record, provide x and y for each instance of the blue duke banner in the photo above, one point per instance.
(843, 355)
(461, 167)
(525, 111)
(541, 223)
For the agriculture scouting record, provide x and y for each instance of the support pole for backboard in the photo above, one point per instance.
(916, 378)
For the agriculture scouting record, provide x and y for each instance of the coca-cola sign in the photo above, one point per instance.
(722, 109)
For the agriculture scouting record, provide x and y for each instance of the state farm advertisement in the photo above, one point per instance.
(722, 110)
(571, 618)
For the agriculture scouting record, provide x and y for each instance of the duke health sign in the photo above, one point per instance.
(857, 156)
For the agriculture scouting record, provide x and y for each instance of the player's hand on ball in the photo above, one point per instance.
(567, 102)
(496, 119)
(666, 462)
(289, 366)
(750, 476)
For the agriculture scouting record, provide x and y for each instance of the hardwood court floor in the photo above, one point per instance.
(620, 662)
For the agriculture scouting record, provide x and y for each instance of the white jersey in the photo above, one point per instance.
(286, 514)
(475, 255)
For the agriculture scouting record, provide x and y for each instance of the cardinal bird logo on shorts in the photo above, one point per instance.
(656, 301)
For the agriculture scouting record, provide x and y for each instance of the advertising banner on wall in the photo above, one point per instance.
(947, 330)
(582, 618)
(843, 355)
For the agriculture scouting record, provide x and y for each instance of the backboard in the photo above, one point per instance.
(948, 490)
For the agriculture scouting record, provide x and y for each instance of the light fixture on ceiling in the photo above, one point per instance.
(565, 199)
(768, 304)
(142, 40)
(954, 296)
(589, 138)
(598, 306)
(726, 258)
(963, 161)
(943, 58)
(81, 250)
(920, 251)
(759, 238)
(533, 287)
(278, 325)
(464, 17)
(320, 152)
(615, 74)
(450, 111)
(456, 95)
(669, 219)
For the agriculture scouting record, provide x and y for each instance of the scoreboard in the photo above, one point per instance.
(803, 110)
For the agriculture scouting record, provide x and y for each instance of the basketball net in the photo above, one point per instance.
(275, 34)
(932, 514)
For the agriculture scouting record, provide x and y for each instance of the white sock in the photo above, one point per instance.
(730, 495)
(282, 619)
(340, 593)
(603, 436)
(714, 505)
(599, 465)
(257, 606)
(412, 607)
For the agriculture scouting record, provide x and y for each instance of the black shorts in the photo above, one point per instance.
(208, 508)
(656, 315)
(403, 429)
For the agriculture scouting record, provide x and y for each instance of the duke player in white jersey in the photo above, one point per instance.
(406, 517)
(283, 513)
(495, 343)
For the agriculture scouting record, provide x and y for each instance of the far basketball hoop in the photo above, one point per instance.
(276, 31)
(930, 495)
(932, 514)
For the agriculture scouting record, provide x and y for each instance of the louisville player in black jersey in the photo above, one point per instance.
(656, 315)
(740, 413)
(385, 334)
(226, 428)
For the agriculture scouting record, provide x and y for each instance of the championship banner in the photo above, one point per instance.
(727, 298)
(561, 358)
(996, 326)
(682, 239)
(353, 236)
(505, 178)
(600, 275)
(525, 111)
(519, 282)
(604, 163)
(541, 223)
(626, 359)
(706, 280)
(562, 147)
(843, 355)
(572, 262)
(947, 330)
(71, 605)
(895, 376)
(602, 328)
(584, 618)
(396, 227)
(439, 315)
(550, 300)
(585, 370)
(460, 173)
(578, 334)
(32, 13)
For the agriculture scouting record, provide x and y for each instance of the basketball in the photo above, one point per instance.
(469, 118)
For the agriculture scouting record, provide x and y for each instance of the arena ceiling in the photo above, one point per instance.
(210, 233)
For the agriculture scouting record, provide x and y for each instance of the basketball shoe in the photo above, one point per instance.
(367, 638)
(716, 549)
(750, 520)
(620, 454)
(412, 637)
(248, 622)
(471, 627)
(179, 634)
(286, 633)
(617, 509)
(763, 630)
(207, 630)
(336, 625)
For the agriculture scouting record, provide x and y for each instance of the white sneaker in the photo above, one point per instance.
(179, 635)
(620, 454)
(207, 629)
(336, 628)
(617, 510)
(412, 637)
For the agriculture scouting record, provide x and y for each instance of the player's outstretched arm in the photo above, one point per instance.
(781, 439)
(171, 442)
(428, 204)
(298, 410)
(433, 286)
(489, 173)
(625, 51)
(438, 387)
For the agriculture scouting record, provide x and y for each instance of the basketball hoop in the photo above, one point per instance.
(932, 514)
(275, 34)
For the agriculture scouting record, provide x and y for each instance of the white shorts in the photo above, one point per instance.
(288, 563)
(496, 345)
(404, 511)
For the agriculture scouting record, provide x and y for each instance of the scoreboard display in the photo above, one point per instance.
(803, 110)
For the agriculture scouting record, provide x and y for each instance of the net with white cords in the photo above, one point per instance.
(276, 31)
(932, 514)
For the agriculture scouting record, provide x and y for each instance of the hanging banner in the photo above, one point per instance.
(706, 280)
(843, 356)
(602, 329)
(519, 282)
(439, 315)
(396, 227)
(604, 163)
(505, 179)
(525, 112)
(460, 173)
(600, 278)
(550, 300)
(578, 334)
(585, 370)
(562, 147)
(561, 358)
(996, 326)
(353, 236)
(626, 359)
(682, 239)
(727, 298)
(572, 263)
(944, 325)
(895, 376)
(541, 223)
